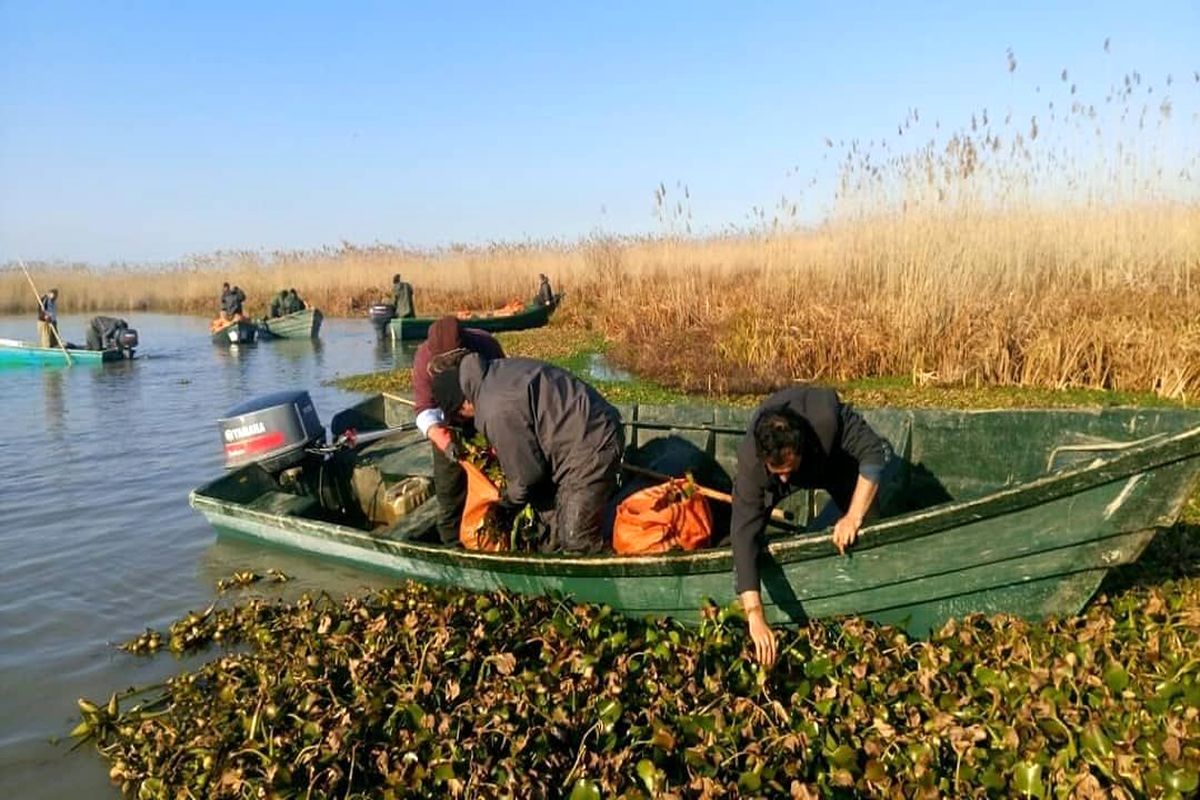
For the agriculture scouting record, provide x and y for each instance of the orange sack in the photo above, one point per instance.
(482, 494)
(662, 518)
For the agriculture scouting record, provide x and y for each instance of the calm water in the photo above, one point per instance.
(97, 540)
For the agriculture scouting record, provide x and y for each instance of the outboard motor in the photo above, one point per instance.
(274, 431)
(127, 340)
(381, 314)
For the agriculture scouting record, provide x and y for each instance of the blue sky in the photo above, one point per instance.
(145, 131)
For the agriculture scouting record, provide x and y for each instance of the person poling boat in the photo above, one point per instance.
(110, 333)
(446, 336)
(231, 302)
(800, 438)
(559, 443)
(48, 319)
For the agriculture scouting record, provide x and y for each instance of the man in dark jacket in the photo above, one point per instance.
(102, 332)
(449, 481)
(558, 441)
(545, 295)
(294, 304)
(402, 297)
(800, 438)
(279, 305)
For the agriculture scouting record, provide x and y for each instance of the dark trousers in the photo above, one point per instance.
(578, 510)
(450, 488)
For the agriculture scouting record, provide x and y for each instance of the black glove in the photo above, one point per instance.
(454, 451)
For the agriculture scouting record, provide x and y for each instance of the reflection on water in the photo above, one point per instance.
(96, 533)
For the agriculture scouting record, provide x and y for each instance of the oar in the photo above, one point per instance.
(53, 327)
(777, 514)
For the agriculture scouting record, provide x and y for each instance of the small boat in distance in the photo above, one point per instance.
(514, 317)
(240, 331)
(304, 324)
(14, 352)
(1021, 512)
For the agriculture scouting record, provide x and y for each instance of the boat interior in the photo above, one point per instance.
(939, 456)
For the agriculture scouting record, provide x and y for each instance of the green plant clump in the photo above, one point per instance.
(420, 691)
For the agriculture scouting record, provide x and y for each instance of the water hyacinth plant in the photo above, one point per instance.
(418, 691)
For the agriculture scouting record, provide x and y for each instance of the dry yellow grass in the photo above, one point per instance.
(1027, 252)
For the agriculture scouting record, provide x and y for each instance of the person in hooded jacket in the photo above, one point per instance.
(402, 297)
(802, 437)
(558, 441)
(102, 332)
(446, 337)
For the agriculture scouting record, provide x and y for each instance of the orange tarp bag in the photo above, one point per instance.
(482, 494)
(662, 518)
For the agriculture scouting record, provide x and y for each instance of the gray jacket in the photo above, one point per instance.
(547, 426)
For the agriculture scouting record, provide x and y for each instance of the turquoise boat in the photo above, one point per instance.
(17, 353)
(1022, 512)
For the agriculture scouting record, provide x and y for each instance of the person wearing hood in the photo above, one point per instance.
(802, 437)
(558, 441)
(446, 337)
(402, 297)
(103, 332)
(545, 294)
(293, 303)
(279, 304)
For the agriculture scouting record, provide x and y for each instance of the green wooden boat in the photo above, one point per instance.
(241, 332)
(304, 324)
(17, 353)
(1021, 512)
(417, 328)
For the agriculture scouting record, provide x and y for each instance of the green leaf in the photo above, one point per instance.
(844, 757)
(1184, 780)
(818, 667)
(610, 712)
(750, 782)
(1116, 678)
(1027, 779)
(1092, 740)
(651, 775)
(585, 789)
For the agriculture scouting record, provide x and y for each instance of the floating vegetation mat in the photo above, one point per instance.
(431, 692)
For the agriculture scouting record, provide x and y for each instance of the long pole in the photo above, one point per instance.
(777, 514)
(53, 326)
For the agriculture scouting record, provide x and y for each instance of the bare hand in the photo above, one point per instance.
(845, 532)
(762, 636)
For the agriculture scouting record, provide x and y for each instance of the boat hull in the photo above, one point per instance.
(1033, 548)
(417, 328)
(304, 324)
(17, 353)
(240, 332)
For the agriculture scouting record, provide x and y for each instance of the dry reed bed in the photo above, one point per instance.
(1097, 298)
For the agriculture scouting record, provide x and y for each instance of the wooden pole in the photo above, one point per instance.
(777, 514)
(53, 326)
(398, 399)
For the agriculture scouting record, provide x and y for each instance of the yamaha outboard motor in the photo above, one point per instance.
(381, 314)
(282, 434)
(274, 431)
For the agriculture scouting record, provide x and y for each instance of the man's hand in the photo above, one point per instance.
(845, 532)
(762, 636)
(454, 451)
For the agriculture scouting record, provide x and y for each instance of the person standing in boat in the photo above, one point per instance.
(446, 337)
(294, 303)
(236, 298)
(558, 441)
(801, 437)
(279, 305)
(545, 294)
(402, 297)
(48, 319)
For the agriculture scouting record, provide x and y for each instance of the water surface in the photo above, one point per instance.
(97, 540)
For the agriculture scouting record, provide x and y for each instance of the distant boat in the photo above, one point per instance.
(531, 316)
(304, 324)
(14, 352)
(240, 332)
(1021, 512)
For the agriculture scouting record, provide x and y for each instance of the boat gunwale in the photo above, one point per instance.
(793, 548)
